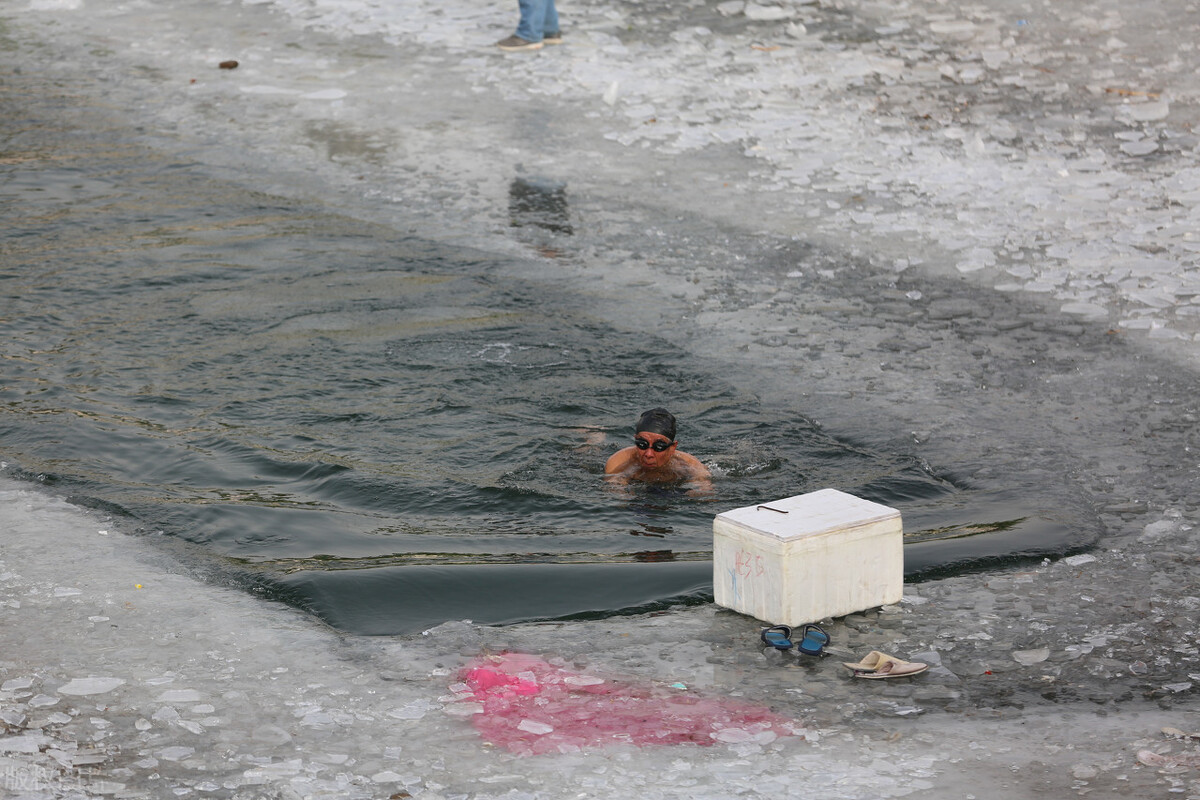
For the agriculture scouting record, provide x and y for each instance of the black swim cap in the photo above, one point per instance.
(657, 420)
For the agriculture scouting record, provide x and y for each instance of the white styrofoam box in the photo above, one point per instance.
(808, 557)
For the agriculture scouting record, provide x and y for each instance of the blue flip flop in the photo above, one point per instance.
(812, 640)
(778, 636)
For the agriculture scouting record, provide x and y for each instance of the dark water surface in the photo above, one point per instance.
(386, 431)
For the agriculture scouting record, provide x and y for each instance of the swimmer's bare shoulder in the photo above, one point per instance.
(620, 461)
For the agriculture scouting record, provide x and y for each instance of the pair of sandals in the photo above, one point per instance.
(812, 639)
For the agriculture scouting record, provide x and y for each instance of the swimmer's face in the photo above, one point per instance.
(648, 456)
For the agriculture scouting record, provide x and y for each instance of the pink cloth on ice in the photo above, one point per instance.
(530, 706)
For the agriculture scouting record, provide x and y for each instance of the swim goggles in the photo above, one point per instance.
(657, 447)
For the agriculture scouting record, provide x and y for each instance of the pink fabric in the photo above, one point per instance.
(530, 706)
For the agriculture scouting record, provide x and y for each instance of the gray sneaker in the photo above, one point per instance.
(553, 38)
(514, 44)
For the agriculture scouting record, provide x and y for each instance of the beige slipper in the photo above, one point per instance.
(879, 665)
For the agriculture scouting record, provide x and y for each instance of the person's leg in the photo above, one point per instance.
(531, 28)
(550, 21)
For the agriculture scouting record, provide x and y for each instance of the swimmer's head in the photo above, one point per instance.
(657, 420)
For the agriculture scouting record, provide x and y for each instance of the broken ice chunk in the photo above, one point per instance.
(464, 709)
(582, 680)
(1148, 112)
(414, 710)
(166, 714)
(12, 717)
(27, 743)
(87, 756)
(977, 258)
(960, 30)
(270, 734)
(1143, 147)
(1030, 657)
(765, 13)
(176, 753)
(387, 776)
(532, 726)
(90, 685)
(733, 735)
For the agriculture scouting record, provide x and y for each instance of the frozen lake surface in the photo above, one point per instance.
(964, 233)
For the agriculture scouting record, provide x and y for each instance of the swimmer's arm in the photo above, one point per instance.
(700, 478)
(695, 467)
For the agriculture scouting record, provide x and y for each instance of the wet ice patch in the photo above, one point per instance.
(326, 94)
(1145, 112)
(267, 90)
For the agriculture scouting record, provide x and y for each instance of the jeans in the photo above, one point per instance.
(538, 17)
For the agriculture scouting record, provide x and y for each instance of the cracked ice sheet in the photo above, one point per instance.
(292, 709)
(1006, 141)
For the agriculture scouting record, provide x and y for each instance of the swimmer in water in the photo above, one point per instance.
(655, 456)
